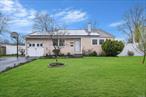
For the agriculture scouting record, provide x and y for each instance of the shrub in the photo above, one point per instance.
(102, 54)
(61, 54)
(83, 52)
(93, 53)
(130, 53)
(22, 51)
(112, 47)
(68, 54)
(56, 52)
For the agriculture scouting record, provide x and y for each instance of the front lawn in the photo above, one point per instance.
(82, 77)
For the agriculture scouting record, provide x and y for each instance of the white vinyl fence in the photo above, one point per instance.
(131, 47)
(12, 49)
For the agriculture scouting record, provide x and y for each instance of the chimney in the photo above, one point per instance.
(89, 28)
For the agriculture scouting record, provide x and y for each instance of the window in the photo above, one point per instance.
(41, 44)
(71, 44)
(33, 45)
(29, 45)
(94, 41)
(58, 42)
(55, 42)
(101, 41)
(37, 45)
(61, 42)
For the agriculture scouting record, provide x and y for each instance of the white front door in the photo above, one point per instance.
(77, 46)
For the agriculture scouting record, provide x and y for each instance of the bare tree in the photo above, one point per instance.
(3, 23)
(133, 26)
(21, 39)
(45, 24)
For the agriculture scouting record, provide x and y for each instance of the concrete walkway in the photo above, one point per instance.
(11, 62)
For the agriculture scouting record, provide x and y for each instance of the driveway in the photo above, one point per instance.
(11, 61)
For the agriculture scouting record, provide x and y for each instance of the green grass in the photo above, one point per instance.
(82, 77)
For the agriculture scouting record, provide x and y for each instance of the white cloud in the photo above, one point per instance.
(19, 15)
(6, 5)
(22, 17)
(116, 24)
(70, 15)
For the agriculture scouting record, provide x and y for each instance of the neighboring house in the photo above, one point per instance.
(131, 47)
(74, 42)
(2, 50)
(12, 49)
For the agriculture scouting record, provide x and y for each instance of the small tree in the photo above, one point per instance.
(112, 47)
(142, 40)
(56, 52)
(21, 50)
(43, 23)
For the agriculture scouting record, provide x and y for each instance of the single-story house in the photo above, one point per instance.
(74, 42)
(2, 50)
(11, 49)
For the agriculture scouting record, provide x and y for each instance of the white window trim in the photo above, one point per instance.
(58, 42)
(102, 39)
(93, 39)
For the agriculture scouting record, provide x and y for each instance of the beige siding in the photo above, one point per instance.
(48, 46)
(86, 45)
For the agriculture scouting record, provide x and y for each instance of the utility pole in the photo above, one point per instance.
(17, 47)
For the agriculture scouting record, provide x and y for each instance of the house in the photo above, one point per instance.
(74, 42)
(2, 50)
(11, 49)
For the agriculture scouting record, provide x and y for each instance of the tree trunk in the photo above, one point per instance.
(144, 58)
(56, 59)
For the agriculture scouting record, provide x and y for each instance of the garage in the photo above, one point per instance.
(35, 50)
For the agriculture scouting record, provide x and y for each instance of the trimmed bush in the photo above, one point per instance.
(112, 47)
(68, 54)
(56, 52)
(130, 53)
(101, 54)
(93, 53)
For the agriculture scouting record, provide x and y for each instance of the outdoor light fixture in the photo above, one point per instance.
(15, 36)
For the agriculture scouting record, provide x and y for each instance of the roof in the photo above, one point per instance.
(103, 33)
(95, 32)
(12, 44)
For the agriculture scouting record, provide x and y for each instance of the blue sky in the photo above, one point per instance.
(73, 13)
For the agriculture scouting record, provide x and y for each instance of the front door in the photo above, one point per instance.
(77, 46)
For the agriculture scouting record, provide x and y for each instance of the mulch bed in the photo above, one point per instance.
(56, 64)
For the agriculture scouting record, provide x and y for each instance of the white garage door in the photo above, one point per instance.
(35, 50)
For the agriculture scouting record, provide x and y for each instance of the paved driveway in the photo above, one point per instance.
(11, 61)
